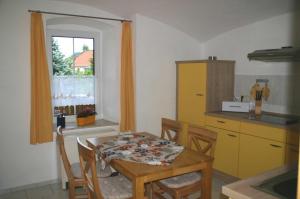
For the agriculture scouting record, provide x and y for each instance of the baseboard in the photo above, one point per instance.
(28, 186)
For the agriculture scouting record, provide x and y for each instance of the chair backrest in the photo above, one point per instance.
(88, 167)
(63, 154)
(202, 139)
(170, 129)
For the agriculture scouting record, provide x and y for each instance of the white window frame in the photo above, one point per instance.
(97, 59)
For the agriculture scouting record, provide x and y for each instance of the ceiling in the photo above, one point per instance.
(201, 19)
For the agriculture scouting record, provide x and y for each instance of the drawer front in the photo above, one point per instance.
(231, 125)
(263, 131)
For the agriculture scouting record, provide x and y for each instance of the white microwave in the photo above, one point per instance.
(235, 106)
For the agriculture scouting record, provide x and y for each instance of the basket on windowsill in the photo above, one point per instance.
(86, 117)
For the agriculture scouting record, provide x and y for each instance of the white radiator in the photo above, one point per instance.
(70, 138)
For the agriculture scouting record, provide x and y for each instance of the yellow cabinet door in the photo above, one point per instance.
(191, 93)
(227, 150)
(258, 155)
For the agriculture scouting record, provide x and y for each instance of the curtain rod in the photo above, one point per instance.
(83, 16)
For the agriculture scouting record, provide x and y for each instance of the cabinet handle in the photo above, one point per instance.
(277, 146)
(199, 94)
(220, 121)
(232, 135)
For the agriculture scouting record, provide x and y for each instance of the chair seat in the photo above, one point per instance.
(182, 180)
(75, 167)
(116, 187)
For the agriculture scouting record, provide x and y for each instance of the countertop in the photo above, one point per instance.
(258, 119)
(243, 189)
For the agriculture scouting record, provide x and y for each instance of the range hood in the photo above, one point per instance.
(276, 55)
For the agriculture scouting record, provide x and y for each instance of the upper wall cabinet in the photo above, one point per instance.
(201, 87)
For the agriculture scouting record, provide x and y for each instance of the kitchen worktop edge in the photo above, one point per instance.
(243, 117)
(243, 189)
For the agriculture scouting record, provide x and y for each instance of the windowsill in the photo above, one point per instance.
(99, 124)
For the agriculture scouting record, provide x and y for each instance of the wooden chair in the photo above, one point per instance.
(170, 129)
(73, 171)
(101, 188)
(201, 140)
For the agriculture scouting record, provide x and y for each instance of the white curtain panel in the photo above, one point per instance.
(73, 90)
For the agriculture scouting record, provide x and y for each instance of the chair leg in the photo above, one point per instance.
(156, 192)
(90, 194)
(149, 190)
(71, 191)
(177, 196)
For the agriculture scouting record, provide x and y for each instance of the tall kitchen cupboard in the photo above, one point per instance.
(202, 85)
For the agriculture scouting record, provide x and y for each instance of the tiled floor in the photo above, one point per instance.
(54, 191)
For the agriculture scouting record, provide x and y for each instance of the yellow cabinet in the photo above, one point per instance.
(227, 151)
(201, 87)
(191, 97)
(246, 149)
(257, 155)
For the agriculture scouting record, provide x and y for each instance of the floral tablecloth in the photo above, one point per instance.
(139, 148)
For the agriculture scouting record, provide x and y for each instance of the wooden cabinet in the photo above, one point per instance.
(201, 87)
(258, 155)
(227, 151)
(246, 149)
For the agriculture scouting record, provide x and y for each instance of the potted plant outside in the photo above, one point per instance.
(86, 117)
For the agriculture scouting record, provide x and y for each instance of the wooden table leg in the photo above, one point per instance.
(138, 188)
(206, 182)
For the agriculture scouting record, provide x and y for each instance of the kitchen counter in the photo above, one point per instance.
(271, 119)
(244, 189)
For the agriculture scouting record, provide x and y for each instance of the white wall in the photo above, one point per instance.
(157, 47)
(267, 34)
(20, 162)
(236, 44)
(110, 70)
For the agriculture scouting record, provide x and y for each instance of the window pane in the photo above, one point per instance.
(73, 72)
(84, 60)
(62, 55)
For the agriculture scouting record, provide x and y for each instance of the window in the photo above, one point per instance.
(73, 70)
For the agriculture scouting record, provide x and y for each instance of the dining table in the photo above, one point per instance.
(140, 173)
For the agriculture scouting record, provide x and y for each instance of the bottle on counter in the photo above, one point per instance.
(61, 120)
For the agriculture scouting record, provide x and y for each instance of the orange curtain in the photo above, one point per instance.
(127, 122)
(41, 108)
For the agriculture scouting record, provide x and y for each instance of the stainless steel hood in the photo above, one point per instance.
(284, 54)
